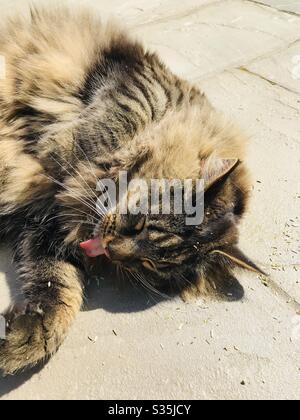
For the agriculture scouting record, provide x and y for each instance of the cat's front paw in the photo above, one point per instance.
(25, 342)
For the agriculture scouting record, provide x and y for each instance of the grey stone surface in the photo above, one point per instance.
(125, 345)
(282, 68)
(221, 35)
(281, 5)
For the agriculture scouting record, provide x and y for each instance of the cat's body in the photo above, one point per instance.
(80, 101)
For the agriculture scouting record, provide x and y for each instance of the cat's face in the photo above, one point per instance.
(163, 252)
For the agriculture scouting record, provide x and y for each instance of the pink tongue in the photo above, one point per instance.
(93, 248)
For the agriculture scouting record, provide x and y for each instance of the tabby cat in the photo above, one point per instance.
(81, 101)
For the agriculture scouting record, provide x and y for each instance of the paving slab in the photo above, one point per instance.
(282, 68)
(281, 5)
(219, 36)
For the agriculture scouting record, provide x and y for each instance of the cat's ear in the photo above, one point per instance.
(236, 256)
(214, 170)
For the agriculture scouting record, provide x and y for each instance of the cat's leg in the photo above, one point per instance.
(52, 292)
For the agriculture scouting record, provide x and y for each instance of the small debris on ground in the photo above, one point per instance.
(264, 280)
(93, 340)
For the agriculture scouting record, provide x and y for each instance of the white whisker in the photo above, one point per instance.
(78, 173)
(69, 173)
(76, 197)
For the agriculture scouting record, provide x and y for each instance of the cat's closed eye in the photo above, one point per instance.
(149, 265)
(139, 227)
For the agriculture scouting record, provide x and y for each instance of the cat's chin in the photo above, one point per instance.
(94, 248)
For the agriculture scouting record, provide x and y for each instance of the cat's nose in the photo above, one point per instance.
(121, 249)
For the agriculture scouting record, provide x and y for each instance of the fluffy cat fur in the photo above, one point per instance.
(81, 101)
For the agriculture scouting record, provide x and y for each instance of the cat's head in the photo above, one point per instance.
(163, 251)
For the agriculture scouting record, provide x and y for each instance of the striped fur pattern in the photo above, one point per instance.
(80, 102)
